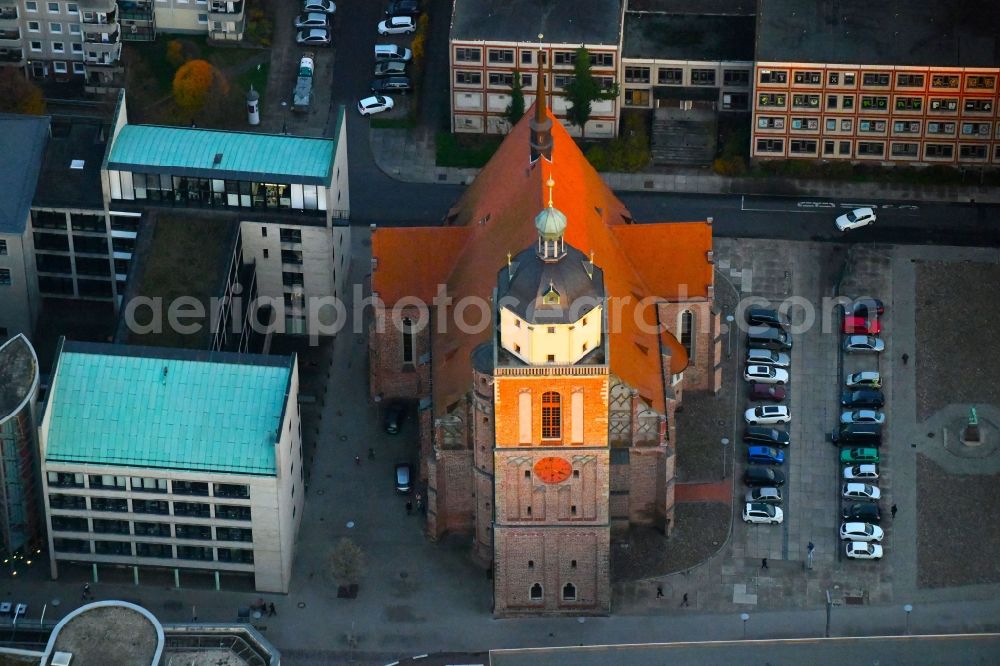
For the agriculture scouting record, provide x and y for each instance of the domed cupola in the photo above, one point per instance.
(551, 226)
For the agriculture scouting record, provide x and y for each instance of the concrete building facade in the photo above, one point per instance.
(180, 461)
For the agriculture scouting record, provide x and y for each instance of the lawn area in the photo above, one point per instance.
(188, 257)
(465, 150)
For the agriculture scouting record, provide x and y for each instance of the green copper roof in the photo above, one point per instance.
(166, 408)
(184, 151)
(551, 223)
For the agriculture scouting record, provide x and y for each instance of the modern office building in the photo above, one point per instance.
(909, 83)
(63, 40)
(165, 460)
(490, 39)
(20, 515)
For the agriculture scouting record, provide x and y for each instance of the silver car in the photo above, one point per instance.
(765, 495)
(770, 357)
(863, 343)
(311, 20)
(313, 37)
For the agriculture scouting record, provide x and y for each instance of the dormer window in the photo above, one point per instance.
(551, 297)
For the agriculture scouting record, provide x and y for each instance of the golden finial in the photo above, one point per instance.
(508, 259)
(591, 257)
(550, 184)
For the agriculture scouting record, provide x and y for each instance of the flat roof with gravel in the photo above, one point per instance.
(18, 375)
(560, 21)
(106, 635)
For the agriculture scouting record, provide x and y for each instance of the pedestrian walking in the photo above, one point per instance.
(357, 460)
(763, 563)
(270, 610)
(906, 357)
(420, 501)
(409, 508)
(371, 454)
(659, 591)
(684, 601)
(893, 511)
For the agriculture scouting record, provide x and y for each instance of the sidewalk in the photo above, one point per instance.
(408, 155)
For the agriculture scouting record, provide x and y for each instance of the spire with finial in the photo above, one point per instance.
(551, 226)
(541, 124)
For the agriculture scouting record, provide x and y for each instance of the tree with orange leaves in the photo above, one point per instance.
(18, 94)
(194, 81)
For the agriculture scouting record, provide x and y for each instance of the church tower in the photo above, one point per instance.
(551, 533)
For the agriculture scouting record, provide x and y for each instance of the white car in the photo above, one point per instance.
(765, 374)
(863, 416)
(865, 472)
(758, 512)
(863, 379)
(860, 532)
(324, 6)
(756, 355)
(374, 104)
(855, 219)
(311, 20)
(765, 495)
(861, 491)
(767, 414)
(313, 37)
(863, 550)
(397, 25)
(863, 343)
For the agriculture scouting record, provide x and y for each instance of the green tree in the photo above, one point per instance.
(584, 90)
(515, 110)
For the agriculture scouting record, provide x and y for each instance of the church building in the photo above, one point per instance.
(546, 340)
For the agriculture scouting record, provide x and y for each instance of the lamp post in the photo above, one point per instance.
(725, 443)
(908, 608)
(729, 333)
(284, 117)
(744, 617)
(829, 607)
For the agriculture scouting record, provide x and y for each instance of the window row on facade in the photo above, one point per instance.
(464, 78)
(878, 79)
(527, 57)
(153, 550)
(62, 502)
(61, 523)
(147, 485)
(687, 76)
(965, 129)
(876, 103)
(901, 150)
(214, 193)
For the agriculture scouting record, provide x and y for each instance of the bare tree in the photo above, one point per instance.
(347, 562)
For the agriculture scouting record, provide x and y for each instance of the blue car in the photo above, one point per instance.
(765, 455)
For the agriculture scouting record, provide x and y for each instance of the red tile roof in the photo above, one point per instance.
(497, 213)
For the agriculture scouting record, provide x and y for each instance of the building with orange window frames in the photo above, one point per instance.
(908, 83)
(550, 428)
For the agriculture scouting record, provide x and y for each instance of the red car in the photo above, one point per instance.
(861, 326)
(767, 392)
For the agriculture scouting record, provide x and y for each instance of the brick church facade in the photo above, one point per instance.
(546, 341)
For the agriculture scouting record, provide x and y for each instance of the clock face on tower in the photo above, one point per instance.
(553, 470)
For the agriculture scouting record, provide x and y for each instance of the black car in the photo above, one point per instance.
(391, 84)
(759, 477)
(866, 434)
(865, 512)
(863, 307)
(403, 8)
(863, 398)
(768, 337)
(395, 414)
(765, 317)
(765, 435)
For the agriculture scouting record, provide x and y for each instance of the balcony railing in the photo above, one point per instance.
(109, 38)
(13, 55)
(223, 7)
(10, 34)
(99, 18)
(136, 11)
(8, 13)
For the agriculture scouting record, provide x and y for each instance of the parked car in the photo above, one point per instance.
(767, 414)
(397, 25)
(403, 8)
(374, 104)
(765, 317)
(863, 379)
(765, 455)
(855, 219)
(859, 455)
(392, 52)
(395, 415)
(404, 477)
(324, 6)
(766, 495)
(757, 477)
(767, 392)
(757, 356)
(862, 398)
(758, 512)
(863, 343)
(861, 532)
(866, 512)
(865, 472)
(863, 550)
(866, 434)
(312, 20)
(391, 84)
(862, 416)
(769, 338)
(861, 491)
(313, 37)
(390, 68)
(765, 374)
(863, 307)
(854, 324)
(766, 436)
